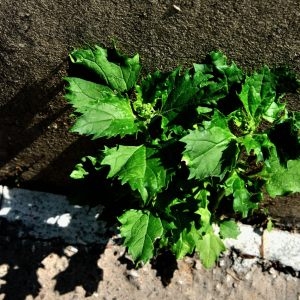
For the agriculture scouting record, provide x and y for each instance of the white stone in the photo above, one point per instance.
(282, 246)
(248, 241)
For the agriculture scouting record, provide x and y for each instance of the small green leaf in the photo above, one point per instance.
(120, 73)
(222, 77)
(209, 249)
(140, 229)
(205, 219)
(274, 112)
(258, 95)
(256, 143)
(232, 73)
(229, 229)
(242, 198)
(270, 225)
(186, 242)
(79, 172)
(204, 150)
(203, 110)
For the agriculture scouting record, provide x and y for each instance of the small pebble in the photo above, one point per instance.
(177, 7)
(70, 251)
(132, 273)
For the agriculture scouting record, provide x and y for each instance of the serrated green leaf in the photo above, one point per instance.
(274, 112)
(184, 88)
(120, 73)
(258, 95)
(84, 95)
(156, 86)
(283, 180)
(204, 150)
(241, 197)
(175, 92)
(223, 76)
(136, 166)
(140, 229)
(205, 218)
(232, 73)
(209, 249)
(217, 120)
(229, 229)
(256, 143)
(186, 242)
(103, 113)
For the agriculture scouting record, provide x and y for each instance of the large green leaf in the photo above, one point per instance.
(209, 249)
(136, 166)
(204, 150)
(103, 113)
(107, 119)
(118, 71)
(283, 180)
(140, 230)
(84, 95)
(173, 92)
(183, 89)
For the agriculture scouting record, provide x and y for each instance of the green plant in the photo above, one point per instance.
(197, 147)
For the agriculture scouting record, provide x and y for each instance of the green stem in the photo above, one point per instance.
(221, 195)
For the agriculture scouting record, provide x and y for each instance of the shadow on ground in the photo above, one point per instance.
(21, 260)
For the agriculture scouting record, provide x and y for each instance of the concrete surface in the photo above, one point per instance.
(49, 216)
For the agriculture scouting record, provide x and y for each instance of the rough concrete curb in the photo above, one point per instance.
(47, 216)
(50, 216)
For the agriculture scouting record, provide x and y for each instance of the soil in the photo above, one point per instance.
(38, 152)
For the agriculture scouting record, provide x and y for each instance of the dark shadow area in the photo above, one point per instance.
(165, 265)
(48, 179)
(125, 261)
(94, 189)
(28, 114)
(23, 258)
(82, 271)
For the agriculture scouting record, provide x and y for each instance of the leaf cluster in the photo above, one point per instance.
(191, 144)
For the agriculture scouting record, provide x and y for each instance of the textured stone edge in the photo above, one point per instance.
(275, 245)
(46, 216)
